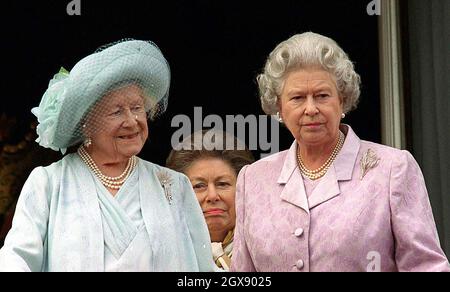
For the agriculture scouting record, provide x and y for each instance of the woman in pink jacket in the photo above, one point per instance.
(332, 202)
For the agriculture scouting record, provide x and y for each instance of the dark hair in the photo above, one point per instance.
(180, 160)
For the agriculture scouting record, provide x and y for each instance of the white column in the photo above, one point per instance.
(391, 79)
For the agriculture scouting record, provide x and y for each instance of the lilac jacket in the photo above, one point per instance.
(382, 222)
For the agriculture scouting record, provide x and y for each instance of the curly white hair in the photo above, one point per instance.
(302, 51)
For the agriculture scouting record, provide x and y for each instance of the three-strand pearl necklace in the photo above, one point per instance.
(108, 181)
(321, 171)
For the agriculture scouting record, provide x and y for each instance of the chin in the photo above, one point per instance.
(218, 224)
(314, 134)
(130, 151)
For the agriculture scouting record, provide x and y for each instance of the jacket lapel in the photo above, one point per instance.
(327, 189)
(93, 258)
(294, 190)
(158, 218)
(340, 170)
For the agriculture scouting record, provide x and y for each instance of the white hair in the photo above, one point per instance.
(303, 51)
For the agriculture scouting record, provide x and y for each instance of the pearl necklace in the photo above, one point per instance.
(108, 181)
(321, 171)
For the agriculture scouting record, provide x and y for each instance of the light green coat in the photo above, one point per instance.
(58, 227)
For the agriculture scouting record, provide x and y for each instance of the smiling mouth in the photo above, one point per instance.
(128, 137)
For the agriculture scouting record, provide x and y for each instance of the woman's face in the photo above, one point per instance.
(120, 121)
(214, 183)
(311, 107)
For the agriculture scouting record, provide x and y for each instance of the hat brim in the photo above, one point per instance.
(85, 91)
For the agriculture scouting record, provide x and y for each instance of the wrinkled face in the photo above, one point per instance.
(214, 183)
(311, 107)
(117, 125)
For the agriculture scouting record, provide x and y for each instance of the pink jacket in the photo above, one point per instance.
(382, 222)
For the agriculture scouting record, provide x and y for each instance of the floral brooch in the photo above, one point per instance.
(368, 161)
(166, 182)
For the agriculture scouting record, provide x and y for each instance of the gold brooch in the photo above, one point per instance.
(368, 160)
(166, 181)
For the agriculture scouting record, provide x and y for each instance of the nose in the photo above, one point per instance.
(311, 107)
(130, 119)
(212, 195)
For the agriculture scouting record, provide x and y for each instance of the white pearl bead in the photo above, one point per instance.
(322, 170)
(107, 181)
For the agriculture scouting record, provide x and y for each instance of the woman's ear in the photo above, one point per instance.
(86, 129)
(279, 115)
(279, 104)
(341, 98)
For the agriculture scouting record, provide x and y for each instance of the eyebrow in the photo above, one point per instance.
(324, 87)
(122, 104)
(225, 177)
(303, 90)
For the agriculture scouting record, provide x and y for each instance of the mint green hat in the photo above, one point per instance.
(70, 96)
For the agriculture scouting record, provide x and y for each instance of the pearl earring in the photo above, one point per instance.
(343, 116)
(87, 142)
(279, 117)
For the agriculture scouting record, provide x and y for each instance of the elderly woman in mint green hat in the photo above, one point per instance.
(103, 208)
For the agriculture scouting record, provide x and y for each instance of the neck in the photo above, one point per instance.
(218, 236)
(108, 166)
(314, 156)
